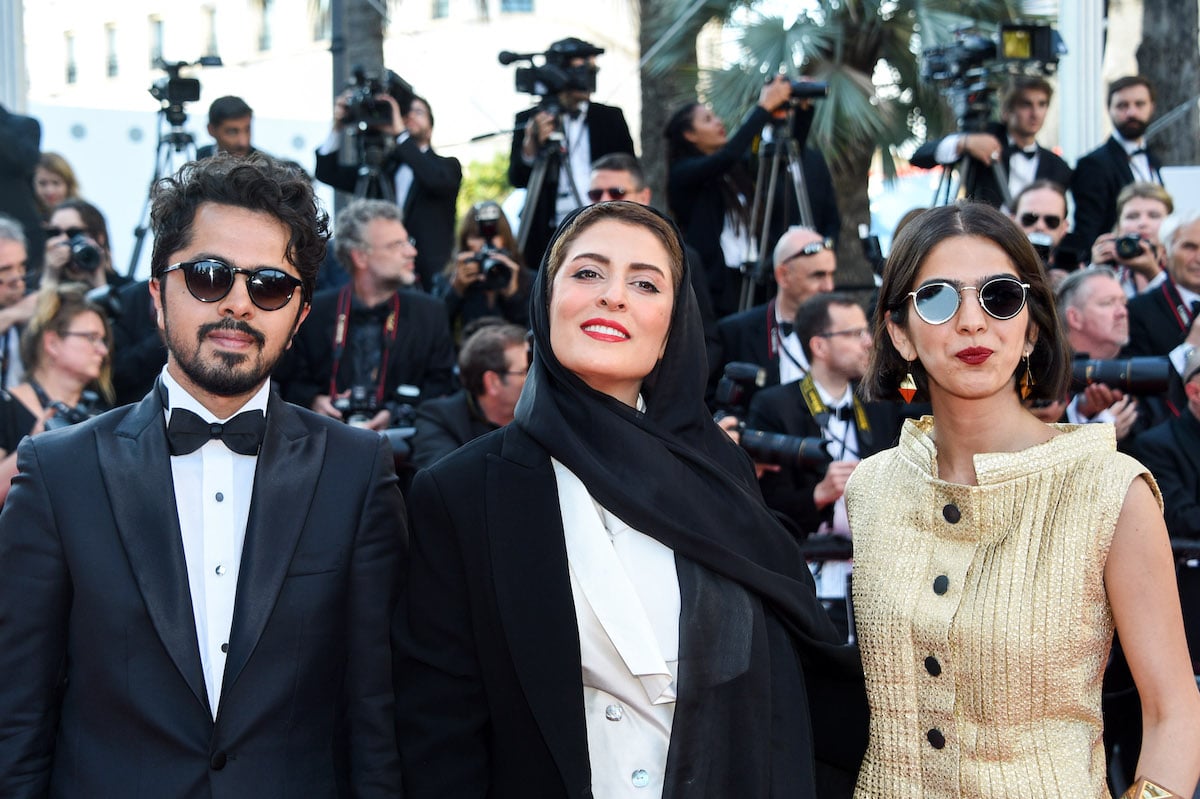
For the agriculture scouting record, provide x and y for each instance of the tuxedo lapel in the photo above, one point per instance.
(533, 596)
(1120, 161)
(136, 470)
(285, 480)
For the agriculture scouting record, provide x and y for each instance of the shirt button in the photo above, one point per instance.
(225, 648)
(640, 778)
(936, 739)
(220, 497)
(614, 712)
(941, 584)
(932, 666)
(220, 570)
(952, 513)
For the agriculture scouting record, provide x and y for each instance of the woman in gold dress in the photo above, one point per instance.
(994, 554)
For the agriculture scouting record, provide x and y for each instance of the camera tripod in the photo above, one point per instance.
(550, 159)
(972, 106)
(175, 148)
(372, 182)
(783, 154)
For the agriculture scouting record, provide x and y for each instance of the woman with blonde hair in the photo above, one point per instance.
(53, 181)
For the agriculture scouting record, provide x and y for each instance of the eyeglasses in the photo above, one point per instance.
(615, 193)
(210, 280)
(812, 248)
(1052, 220)
(1001, 298)
(92, 338)
(69, 232)
(855, 332)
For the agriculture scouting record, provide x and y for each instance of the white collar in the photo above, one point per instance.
(178, 397)
(1127, 145)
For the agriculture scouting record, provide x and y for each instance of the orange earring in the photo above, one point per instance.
(908, 386)
(1027, 382)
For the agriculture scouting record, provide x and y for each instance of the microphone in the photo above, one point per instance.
(506, 57)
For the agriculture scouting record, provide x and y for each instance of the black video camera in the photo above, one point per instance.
(556, 73)
(737, 385)
(173, 91)
(1142, 375)
(365, 112)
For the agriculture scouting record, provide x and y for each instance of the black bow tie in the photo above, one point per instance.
(574, 114)
(1137, 152)
(1031, 153)
(844, 413)
(785, 329)
(242, 434)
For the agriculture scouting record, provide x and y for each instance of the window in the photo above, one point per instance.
(156, 41)
(264, 25)
(441, 9)
(524, 6)
(110, 50)
(210, 32)
(72, 67)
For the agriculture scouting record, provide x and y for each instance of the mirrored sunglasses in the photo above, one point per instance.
(614, 193)
(210, 280)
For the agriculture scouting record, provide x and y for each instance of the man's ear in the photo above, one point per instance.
(155, 288)
(491, 383)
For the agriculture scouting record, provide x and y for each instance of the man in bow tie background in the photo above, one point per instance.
(199, 588)
(1011, 143)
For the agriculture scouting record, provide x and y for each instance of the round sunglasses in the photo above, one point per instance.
(210, 280)
(1001, 298)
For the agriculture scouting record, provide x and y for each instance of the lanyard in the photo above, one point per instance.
(341, 331)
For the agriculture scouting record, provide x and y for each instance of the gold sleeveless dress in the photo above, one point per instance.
(982, 616)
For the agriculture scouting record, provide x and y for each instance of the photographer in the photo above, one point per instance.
(589, 130)
(66, 353)
(1133, 249)
(426, 184)
(486, 276)
(374, 343)
(1040, 209)
(77, 248)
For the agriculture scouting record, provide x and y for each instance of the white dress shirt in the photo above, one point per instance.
(213, 487)
(1138, 164)
(793, 364)
(576, 170)
(626, 594)
(830, 576)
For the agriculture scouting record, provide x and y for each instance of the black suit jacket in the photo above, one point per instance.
(607, 133)
(429, 209)
(781, 409)
(101, 688)
(1098, 179)
(981, 182)
(1156, 324)
(422, 355)
(20, 144)
(746, 336)
(139, 353)
(1171, 451)
(445, 424)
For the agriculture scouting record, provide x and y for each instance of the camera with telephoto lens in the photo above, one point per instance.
(1142, 375)
(1129, 246)
(738, 383)
(496, 273)
(85, 256)
(809, 90)
(358, 407)
(365, 112)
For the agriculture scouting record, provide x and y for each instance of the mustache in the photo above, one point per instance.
(231, 325)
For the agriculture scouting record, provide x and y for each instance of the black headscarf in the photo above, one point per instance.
(674, 475)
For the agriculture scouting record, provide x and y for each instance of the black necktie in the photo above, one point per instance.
(242, 434)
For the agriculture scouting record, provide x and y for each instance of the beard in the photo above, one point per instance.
(223, 374)
(1132, 129)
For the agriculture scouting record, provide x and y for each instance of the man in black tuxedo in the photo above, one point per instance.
(805, 264)
(200, 587)
(492, 365)
(375, 334)
(1171, 451)
(20, 146)
(422, 182)
(586, 131)
(1011, 143)
(1122, 159)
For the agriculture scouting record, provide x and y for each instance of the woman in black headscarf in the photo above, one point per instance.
(598, 599)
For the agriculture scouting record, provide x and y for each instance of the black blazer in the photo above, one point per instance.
(607, 133)
(445, 424)
(781, 409)
(1157, 324)
(746, 336)
(1098, 179)
(139, 353)
(20, 143)
(1171, 451)
(981, 183)
(422, 355)
(429, 209)
(101, 687)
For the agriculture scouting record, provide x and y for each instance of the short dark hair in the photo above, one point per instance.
(416, 98)
(1120, 84)
(226, 108)
(812, 317)
(1037, 185)
(1049, 362)
(484, 351)
(622, 162)
(1019, 84)
(255, 182)
(92, 218)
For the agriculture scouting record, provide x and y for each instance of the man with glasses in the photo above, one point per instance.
(492, 366)
(836, 337)
(15, 309)
(374, 345)
(199, 588)
(1041, 211)
(805, 263)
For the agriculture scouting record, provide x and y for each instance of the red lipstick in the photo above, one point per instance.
(973, 355)
(605, 330)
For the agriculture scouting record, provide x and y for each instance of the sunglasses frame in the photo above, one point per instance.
(610, 190)
(53, 231)
(958, 290)
(186, 266)
(1058, 220)
(810, 249)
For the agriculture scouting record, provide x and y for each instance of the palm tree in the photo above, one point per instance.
(868, 52)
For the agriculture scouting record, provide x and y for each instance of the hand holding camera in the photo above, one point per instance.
(73, 255)
(1132, 251)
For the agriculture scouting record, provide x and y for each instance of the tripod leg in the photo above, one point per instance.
(533, 191)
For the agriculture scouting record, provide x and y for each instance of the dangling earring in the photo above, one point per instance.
(1027, 382)
(908, 386)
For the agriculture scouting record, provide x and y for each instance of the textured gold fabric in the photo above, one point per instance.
(982, 616)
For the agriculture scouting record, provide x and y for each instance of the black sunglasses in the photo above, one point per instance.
(1052, 220)
(616, 193)
(1001, 298)
(69, 232)
(210, 280)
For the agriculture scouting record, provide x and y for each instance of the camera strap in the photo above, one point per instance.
(1183, 315)
(341, 332)
(821, 413)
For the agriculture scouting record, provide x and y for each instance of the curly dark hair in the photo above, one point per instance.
(256, 182)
